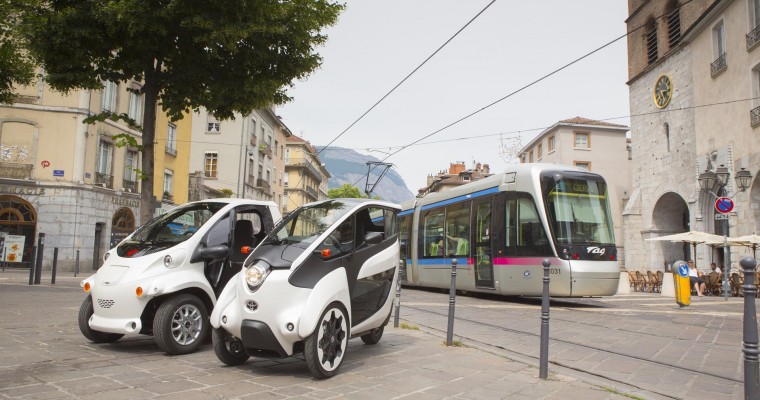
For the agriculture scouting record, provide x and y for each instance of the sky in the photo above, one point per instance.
(376, 43)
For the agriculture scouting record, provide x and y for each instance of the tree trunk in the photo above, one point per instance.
(148, 202)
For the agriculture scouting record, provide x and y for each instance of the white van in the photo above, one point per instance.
(163, 279)
(323, 275)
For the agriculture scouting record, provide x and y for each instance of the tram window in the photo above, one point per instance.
(432, 232)
(457, 229)
(525, 232)
(404, 236)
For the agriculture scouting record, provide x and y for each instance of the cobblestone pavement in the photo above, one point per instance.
(44, 356)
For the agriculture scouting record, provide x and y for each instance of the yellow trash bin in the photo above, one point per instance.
(682, 285)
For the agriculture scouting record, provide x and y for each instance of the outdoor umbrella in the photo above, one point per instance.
(748, 240)
(692, 237)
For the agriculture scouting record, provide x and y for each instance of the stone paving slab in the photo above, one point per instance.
(44, 356)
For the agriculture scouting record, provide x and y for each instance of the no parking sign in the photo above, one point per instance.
(724, 205)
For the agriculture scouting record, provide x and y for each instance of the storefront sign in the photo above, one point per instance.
(121, 201)
(22, 190)
(14, 248)
(15, 171)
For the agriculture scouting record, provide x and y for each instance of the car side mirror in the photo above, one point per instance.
(373, 237)
(214, 252)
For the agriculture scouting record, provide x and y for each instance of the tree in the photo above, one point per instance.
(226, 56)
(345, 191)
(16, 64)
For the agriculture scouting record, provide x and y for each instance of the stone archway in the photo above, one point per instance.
(670, 215)
(18, 217)
(122, 224)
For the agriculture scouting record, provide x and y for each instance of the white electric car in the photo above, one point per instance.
(164, 278)
(324, 275)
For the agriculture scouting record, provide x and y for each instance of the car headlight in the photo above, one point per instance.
(256, 273)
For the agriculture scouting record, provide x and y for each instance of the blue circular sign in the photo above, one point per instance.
(724, 205)
(683, 270)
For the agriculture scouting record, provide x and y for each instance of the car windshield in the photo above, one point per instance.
(307, 223)
(578, 210)
(170, 229)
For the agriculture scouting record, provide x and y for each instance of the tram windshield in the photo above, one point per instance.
(578, 209)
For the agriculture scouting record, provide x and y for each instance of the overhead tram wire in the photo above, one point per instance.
(516, 91)
(402, 81)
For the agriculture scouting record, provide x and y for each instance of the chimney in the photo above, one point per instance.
(456, 168)
(486, 169)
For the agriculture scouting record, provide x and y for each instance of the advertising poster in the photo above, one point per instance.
(14, 248)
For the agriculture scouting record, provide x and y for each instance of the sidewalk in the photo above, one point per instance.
(43, 355)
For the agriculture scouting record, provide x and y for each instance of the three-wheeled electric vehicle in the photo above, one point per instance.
(322, 276)
(164, 278)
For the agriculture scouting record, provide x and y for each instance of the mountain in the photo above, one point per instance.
(349, 166)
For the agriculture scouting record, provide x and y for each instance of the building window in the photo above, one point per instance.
(719, 46)
(551, 144)
(108, 100)
(168, 183)
(650, 35)
(211, 165)
(666, 131)
(136, 108)
(753, 37)
(171, 139)
(103, 176)
(130, 171)
(213, 125)
(585, 165)
(540, 150)
(530, 156)
(673, 12)
(276, 146)
(582, 140)
(755, 90)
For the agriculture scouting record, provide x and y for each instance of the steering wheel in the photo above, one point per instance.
(332, 241)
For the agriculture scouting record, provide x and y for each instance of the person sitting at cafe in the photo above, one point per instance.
(714, 268)
(695, 279)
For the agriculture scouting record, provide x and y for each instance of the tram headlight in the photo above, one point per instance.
(256, 273)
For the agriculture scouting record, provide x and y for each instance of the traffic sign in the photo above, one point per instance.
(683, 270)
(719, 217)
(724, 205)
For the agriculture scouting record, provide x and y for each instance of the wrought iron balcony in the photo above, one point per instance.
(718, 65)
(265, 149)
(130, 186)
(754, 116)
(104, 180)
(304, 163)
(263, 184)
(753, 38)
(312, 193)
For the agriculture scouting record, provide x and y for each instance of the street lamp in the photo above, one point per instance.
(707, 181)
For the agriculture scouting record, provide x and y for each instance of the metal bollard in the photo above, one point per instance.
(55, 264)
(398, 294)
(452, 302)
(76, 265)
(751, 351)
(543, 370)
(38, 265)
(32, 264)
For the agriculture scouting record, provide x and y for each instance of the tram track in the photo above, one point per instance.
(626, 356)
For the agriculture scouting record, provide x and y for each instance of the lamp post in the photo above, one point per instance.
(707, 181)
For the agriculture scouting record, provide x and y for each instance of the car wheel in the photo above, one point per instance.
(325, 348)
(181, 324)
(85, 312)
(228, 348)
(373, 336)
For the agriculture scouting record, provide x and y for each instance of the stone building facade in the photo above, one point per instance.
(702, 49)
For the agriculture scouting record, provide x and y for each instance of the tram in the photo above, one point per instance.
(500, 230)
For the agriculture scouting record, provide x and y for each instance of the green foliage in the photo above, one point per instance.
(228, 57)
(16, 64)
(227, 192)
(405, 325)
(345, 191)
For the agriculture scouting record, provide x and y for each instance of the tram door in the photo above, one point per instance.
(482, 244)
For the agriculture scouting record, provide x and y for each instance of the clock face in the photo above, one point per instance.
(663, 91)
